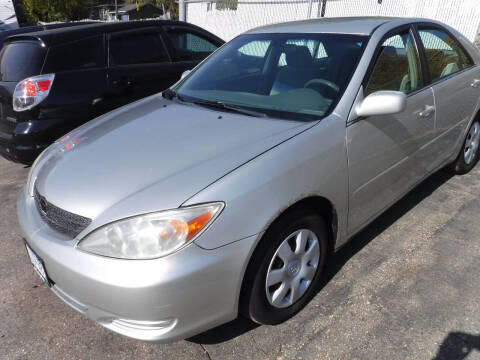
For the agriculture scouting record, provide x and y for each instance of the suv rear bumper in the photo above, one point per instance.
(28, 139)
(25, 154)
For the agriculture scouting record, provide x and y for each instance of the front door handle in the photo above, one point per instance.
(476, 83)
(427, 112)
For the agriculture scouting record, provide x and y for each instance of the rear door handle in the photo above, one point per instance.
(123, 81)
(476, 83)
(427, 112)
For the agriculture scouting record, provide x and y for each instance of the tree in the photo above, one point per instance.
(170, 5)
(56, 10)
(20, 12)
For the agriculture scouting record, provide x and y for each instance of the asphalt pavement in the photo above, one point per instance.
(407, 287)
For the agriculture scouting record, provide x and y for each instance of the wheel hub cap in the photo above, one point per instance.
(471, 143)
(292, 268)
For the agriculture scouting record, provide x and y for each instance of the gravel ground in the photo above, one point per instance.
(407, 287)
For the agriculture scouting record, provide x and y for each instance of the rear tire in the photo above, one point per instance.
(285, 269)
(470, 152)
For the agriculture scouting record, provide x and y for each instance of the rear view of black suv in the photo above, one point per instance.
(53, 81)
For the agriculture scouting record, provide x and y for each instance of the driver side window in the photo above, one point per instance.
(397, 66)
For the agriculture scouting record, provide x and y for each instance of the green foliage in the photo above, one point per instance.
(56, 10)
(170, 5)
(21, 17)
(227, 5)
(71, 10)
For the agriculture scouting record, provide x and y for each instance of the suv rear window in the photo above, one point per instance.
(21, 59)
(83, 54)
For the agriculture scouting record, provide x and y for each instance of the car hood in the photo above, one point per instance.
(151, 155)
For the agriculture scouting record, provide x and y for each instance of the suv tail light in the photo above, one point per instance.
(32, 91)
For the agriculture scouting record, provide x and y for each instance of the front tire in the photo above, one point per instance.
(285, 269)
(470, 153)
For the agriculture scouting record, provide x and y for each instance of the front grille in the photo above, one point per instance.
(60, 220)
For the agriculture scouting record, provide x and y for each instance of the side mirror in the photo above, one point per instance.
(382, 103)
(185, 73)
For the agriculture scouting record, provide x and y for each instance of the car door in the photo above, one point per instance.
(189, 46)
(80, 83)
(139, 65)
(456, 85)
(385, 152)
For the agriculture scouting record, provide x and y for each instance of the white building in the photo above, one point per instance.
(228, 18)
(8, 19)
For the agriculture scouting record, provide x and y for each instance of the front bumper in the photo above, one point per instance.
(163, 299)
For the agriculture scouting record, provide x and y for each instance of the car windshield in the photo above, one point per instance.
(292, 76)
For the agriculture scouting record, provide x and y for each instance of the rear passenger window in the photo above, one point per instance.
(444, 55)
(397, 66)
(83, 54)
(190, 46)
(21, 59)
(137, 48)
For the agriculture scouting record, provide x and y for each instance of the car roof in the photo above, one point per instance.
(336, 25)
(64, 35)
(38, 28)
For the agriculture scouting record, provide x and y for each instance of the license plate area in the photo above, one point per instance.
(38, 265)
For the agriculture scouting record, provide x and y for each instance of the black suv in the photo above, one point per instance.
(53, 81)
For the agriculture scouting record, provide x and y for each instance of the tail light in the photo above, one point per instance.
(32, 91)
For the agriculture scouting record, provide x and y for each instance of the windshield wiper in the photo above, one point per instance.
(169, 94)
(221, 105)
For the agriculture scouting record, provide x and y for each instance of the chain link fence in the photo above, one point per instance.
(228, 18)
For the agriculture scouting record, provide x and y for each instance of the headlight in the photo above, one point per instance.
(152, 235)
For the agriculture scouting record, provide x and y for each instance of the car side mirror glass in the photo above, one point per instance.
(185, 73)
(382, 103)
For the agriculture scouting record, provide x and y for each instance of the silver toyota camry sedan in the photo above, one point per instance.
(225, 194)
